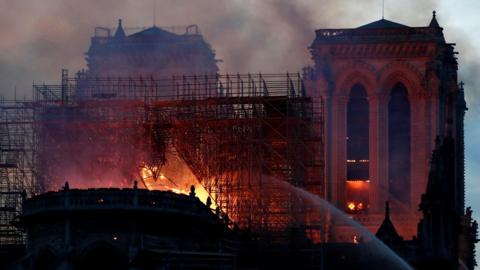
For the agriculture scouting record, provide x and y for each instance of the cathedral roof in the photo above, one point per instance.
(154, 32)
(382, 24)
(380, 31)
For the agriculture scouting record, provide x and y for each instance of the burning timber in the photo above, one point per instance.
(228, 136)
(251, 148)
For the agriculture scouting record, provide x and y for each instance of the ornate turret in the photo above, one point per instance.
(387, 232)
(434, 22)
(436, 28)
(468, 237)
(445, 231)
(120, 33)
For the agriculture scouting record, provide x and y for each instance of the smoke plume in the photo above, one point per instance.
(42, 37)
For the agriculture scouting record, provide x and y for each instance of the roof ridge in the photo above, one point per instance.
(382, 24)
(153, 31)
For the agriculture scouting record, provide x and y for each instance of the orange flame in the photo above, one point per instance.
(351, 206)
(155, 178)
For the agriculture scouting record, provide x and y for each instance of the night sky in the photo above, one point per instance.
(39, 38)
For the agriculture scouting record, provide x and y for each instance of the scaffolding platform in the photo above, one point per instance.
(242, 137)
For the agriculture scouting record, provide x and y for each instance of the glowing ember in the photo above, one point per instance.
(360, 206)
(351, 206)
(357, 206)
(173, 176)
(357, 193)
(355, 239)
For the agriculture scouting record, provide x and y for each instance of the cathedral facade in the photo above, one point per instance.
(152, 52)
(389, 91)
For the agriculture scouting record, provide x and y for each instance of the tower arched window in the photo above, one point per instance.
(357, 182)
(399, 145)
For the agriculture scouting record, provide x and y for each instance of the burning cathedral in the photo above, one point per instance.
(151, 159)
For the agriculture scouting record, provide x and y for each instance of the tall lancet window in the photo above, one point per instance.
(399, 146)
(357, 182)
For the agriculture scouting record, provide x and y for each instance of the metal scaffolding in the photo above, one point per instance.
(16, 165)
(242, 136)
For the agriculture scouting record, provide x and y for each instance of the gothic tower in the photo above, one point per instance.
(152, 52)
(389, 91)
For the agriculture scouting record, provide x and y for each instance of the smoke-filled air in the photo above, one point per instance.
(258, 127)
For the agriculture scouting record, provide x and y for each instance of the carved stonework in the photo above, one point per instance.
(402, 70)
(378, 59)
(382, 50)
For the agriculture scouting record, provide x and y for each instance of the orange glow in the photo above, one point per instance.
(173, 176)
(360, 206)
(356, 206)
(351, 206)
(355, 239)
(359, 161)
(358, 184)
(357, 195)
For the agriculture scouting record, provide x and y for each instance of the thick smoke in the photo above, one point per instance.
(41, 37)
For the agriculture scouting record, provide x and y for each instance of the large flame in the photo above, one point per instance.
(173, 176)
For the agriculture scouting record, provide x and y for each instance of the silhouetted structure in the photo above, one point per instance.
(152, 52)
(243, 143)
(387, 232)
(447, 233)
(389, 90)
(124, 229)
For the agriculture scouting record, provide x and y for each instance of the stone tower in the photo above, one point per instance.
(152, 52)
(389, 91)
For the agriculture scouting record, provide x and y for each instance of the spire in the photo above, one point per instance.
(383, 9)
(154, 13)
(387, 232)
(119, 34)
(434, 22)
